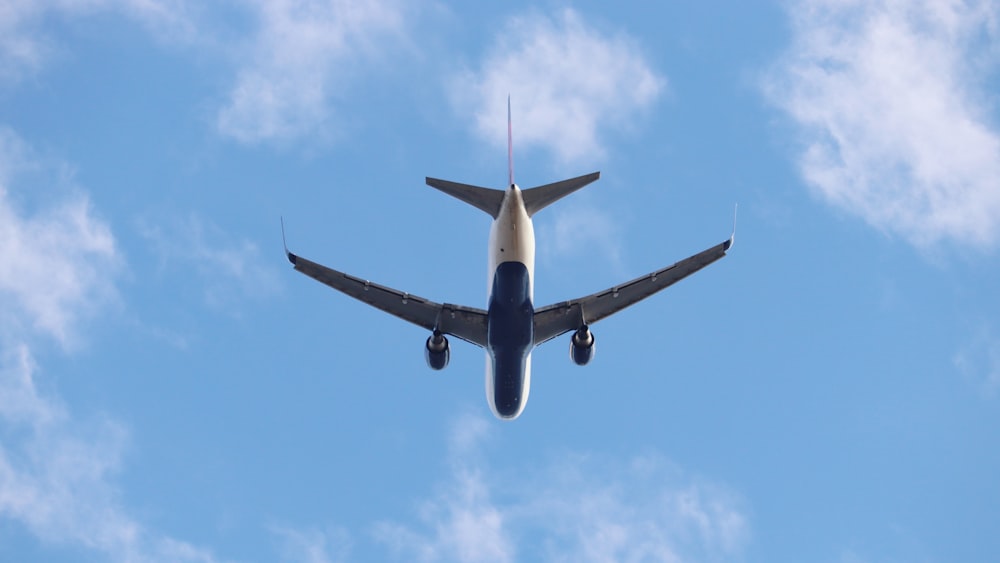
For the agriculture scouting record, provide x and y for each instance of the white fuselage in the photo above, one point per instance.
(512, 239)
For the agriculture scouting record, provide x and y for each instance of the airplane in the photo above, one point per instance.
(510, 327)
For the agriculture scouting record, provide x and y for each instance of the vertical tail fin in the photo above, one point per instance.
(510, 148)
(490, 200)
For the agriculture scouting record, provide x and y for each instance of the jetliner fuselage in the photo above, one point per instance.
(511, 326)
(510, 320)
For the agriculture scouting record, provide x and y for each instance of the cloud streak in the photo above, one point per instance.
(229, 270)
(57, 470)
(313, 545)
(979, 361)
(56, 476)
(58, 262)
(464, 523)
(577, 230)
(582, 508)
(301, 54)
(297, 62)
(24, 47)
(569, 83)
(893, 104)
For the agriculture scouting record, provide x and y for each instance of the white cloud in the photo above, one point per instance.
(56, 471)
(894, 104)
(298, 61)
(645, 509)
(25, 47)
(464, 523)
(313, 545)
(979, 361)
(19, 49)
(59, 262)
(581, 508)
(230, 270)
(56, 474)
(579, 230)
(288, 74)
(568, 81)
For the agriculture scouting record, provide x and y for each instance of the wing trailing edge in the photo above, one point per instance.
(559, 318)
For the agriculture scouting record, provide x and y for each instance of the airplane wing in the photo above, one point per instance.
(466, 323)
(559, 318)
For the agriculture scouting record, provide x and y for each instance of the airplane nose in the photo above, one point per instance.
(509, 407)
(508, 381)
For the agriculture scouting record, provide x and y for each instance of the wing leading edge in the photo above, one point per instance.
(466, 323)
(559, 318)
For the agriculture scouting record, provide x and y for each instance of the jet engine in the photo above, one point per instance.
(581, 346)
(436, 351)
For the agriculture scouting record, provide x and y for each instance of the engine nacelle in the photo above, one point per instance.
(436, 351)
(581, 346)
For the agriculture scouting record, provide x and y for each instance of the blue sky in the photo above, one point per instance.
(170, 390)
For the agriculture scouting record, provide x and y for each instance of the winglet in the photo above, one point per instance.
(510, 148)
(291, 257)
(732, 237)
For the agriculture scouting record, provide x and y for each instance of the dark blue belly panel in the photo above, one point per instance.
(510, 334)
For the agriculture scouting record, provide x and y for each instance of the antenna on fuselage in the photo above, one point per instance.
(510, 148)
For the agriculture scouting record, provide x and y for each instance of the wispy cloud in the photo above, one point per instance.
(56, 476)
(58, 262)
(580, 230)
(464, 523)
(288, 73)
(894, 105)
(645, 508)
(297, 62)
(569, 83)
(463, 527)
(313, 545)
(56, 470)
(979, 361)
(582, 508)
(230, 270)
(20, 50)
(25, 47)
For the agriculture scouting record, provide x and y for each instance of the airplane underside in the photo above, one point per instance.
(510, 338)
(511, 326)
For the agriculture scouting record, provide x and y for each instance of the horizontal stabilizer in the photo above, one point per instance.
(536, 199)
(487, 199)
